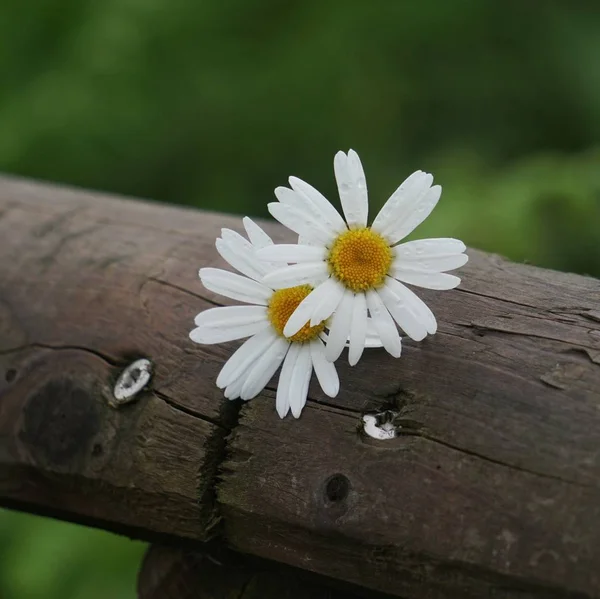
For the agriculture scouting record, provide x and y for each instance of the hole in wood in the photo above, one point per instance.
(382, 425)
(134, 375)
(337, 488)
(97, 450)
(10, 375)
(132, 380)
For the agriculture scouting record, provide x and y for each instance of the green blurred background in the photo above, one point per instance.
(215, 102)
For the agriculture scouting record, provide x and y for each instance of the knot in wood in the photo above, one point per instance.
(60, 421)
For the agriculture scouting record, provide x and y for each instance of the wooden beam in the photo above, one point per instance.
(490, 488)
(169, 572)
(83, 296)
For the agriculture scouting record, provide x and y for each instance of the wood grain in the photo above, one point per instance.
(494, 480)
(63, 449)
(82, 296)
(491, 489)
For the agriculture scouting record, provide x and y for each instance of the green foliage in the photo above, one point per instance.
(46, 559)
(215, 103)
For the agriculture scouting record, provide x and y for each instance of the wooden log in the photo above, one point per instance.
(213, 573)
(81, 297)
(491, 486)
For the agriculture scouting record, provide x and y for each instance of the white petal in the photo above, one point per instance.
(428, 280)
(304, 240)
(289, 197)
(406, 318)
(422, 249)
(324, 369)
(414, 303)
(324, 207)
(302, 314)
(332, 292)
(258, 238)
(398, 205)
(233, 390)
(300, 202)
(352, 187)
(296, 274)
(300, 380)
(282, 401)
(219, 325)
(238, 252)
(235, 286)
(299, 219)
(234, 238)
(320, 279)
(419, 211)
(384, 324)
(245, 356)
(431, 264)
(292, 253)
(373, 339)
(230, 315)
(264, 368)
(358, 328)
(339, 330)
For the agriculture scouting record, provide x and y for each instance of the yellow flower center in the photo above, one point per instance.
(360, 259)
(282, 304)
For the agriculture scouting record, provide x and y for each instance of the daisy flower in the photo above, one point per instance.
(250, 368)
(361, 269)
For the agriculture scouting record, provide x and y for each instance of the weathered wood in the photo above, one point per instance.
(214, 573)
(81, 296)
(494, 481)
(492, 487)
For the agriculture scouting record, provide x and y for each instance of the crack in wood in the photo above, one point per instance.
(592, 356)
(400, 400)
(475, 454)
(483, 328)
(183, 290)
(189, 411)
(110, 359)
(587, 313)
(323, 403)
(495, 298)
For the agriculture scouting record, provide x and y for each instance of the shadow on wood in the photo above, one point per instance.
(215, 573)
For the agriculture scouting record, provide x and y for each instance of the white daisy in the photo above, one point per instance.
(250, 368)
(361, 267)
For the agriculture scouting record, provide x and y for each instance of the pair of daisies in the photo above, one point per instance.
(341, 285)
